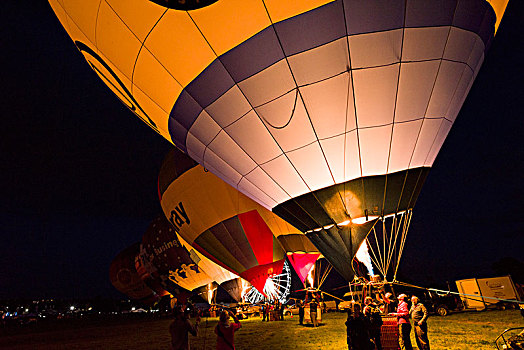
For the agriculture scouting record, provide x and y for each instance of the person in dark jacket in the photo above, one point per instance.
(180, 329)
(372, 315)
(300, 305)
(357, 330)
(419, 315)
(313, 308)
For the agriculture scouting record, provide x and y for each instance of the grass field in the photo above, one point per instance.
(471, 330)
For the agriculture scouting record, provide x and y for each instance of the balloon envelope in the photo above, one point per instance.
(220, 222)
(175, 264)
(125, 278)
(322, 111)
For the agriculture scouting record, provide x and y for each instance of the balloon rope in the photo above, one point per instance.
(324, 276)
(384, 242)
(407, 222)
(290, 117)
(333, 296)
(382, 260)
(392, 247)
(466, 296)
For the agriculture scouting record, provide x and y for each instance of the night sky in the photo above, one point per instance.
(79, 171)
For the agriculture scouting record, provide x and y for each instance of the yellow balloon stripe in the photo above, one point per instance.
(499, 6)
(208, 200)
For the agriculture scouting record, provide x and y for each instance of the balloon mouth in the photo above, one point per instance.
(363, 219)
(356, 221)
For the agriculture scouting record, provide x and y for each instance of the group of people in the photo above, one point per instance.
(181, 327)
(364, 326)
(276, 311)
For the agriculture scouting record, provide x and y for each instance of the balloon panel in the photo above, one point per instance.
(125, 279)
(383, 89)
(235, 287)
(218, 273)
(168, 260)
(340, 245)
(223, 224)
(195, 200)
(207, 292)
(303, 263)
(149, 280)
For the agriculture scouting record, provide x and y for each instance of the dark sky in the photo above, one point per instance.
(79, 170)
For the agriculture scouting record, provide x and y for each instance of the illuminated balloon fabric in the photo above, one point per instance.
(323, 129)
(323, 111)
(220, 222)
(149, 280)
(303, 263)
(169, 262)
(231, 283)
(125, 279)
(301, 253)
(293, 241)
(235, 287)
(215, 271)
(207, 292)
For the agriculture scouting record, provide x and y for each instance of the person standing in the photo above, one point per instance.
(300, 305)
(282, 308)
(404, 327)
(263, 310)
(419, 314)
(225, 331)
(180, 328)
(389, 305)
(372, 315)
(313, 307)
(357, 330)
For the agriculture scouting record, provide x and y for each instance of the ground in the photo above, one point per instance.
(468, 330)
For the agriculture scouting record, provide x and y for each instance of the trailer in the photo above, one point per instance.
(481, 293)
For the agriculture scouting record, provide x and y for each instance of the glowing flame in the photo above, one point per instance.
(363, 257)
(209, 293)
(310, 276)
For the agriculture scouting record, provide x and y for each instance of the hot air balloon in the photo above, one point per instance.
(222, 223)
(125, 278)
(329, 113)
(175, 264)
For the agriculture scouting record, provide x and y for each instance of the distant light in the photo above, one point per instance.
(133, 308)
(71, 308)
(26, 310)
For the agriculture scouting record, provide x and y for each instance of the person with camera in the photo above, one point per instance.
(181, 327)
(225, 331)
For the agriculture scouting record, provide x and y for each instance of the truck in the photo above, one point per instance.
(481, 293)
